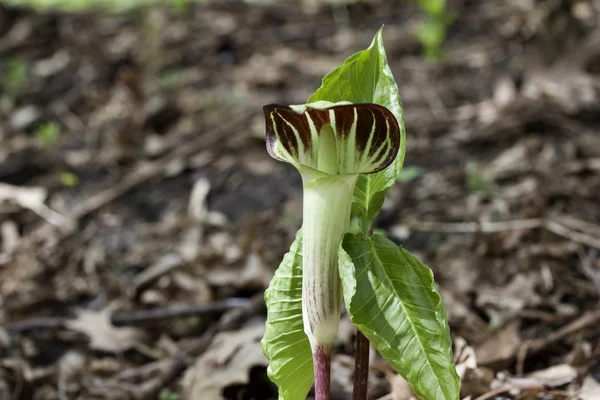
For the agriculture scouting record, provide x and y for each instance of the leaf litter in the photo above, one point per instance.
(178, 213)
(103, 335)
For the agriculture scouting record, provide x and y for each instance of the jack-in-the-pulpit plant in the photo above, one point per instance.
(348, 144)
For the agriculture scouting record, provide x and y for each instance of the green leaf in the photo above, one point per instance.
(285, 344)
(391, 298)
(365, 77)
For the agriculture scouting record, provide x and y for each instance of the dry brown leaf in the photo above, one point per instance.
(555, 376)
(571, 89)
(342, 375)
(197, 208)
(505, 91)
(504, 303)
(104, 336)
(30, 198)
(10, 239)
(590, 390)
(474, 380)
(500, 347)
(400, 389)
(465, 356)
(459, 272)
(226, 362)
(24, 117)
(510, 162)
(254, 273)
(26, 197)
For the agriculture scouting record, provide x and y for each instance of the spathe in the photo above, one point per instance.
(330, 144)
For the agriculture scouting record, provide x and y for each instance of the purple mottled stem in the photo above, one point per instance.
(322, 363)
(361, 367)
(361, 362)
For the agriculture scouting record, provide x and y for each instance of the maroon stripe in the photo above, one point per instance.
(368, 114)
(284, 117)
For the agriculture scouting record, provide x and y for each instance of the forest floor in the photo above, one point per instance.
(141, 218)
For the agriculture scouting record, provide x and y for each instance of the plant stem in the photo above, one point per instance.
(361, 367)
(322, 364)
(361, 361)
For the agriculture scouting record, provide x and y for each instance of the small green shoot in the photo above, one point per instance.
(180, 6)
(410, 173)
(168, 80)
(432, 31)
(48, 133)
(68, 179)
(475, 181)
(169, 395)
(15, 77)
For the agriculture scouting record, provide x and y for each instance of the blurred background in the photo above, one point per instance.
(141, 218)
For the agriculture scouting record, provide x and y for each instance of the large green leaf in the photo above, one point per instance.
(391, 298)
(285, 344)
(365, 77)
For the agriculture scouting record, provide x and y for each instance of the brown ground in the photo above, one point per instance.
(178, 217)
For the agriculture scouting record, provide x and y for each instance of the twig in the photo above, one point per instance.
(587, 265)
(521, 358)
(143, 372)
(4, 391)
(149, 389)
(231, 320)
(580, 323)
(504, 389)
(159, 314)
(563, 231)
(502, 226)
(472, 227)
(163, 266)
(361, 367)
(134, 317)
(578, 224)
(36, 323)
(565, 394)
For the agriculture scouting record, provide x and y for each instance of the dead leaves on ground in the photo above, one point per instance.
(179, 208)
(102, 334)
(227, 362)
